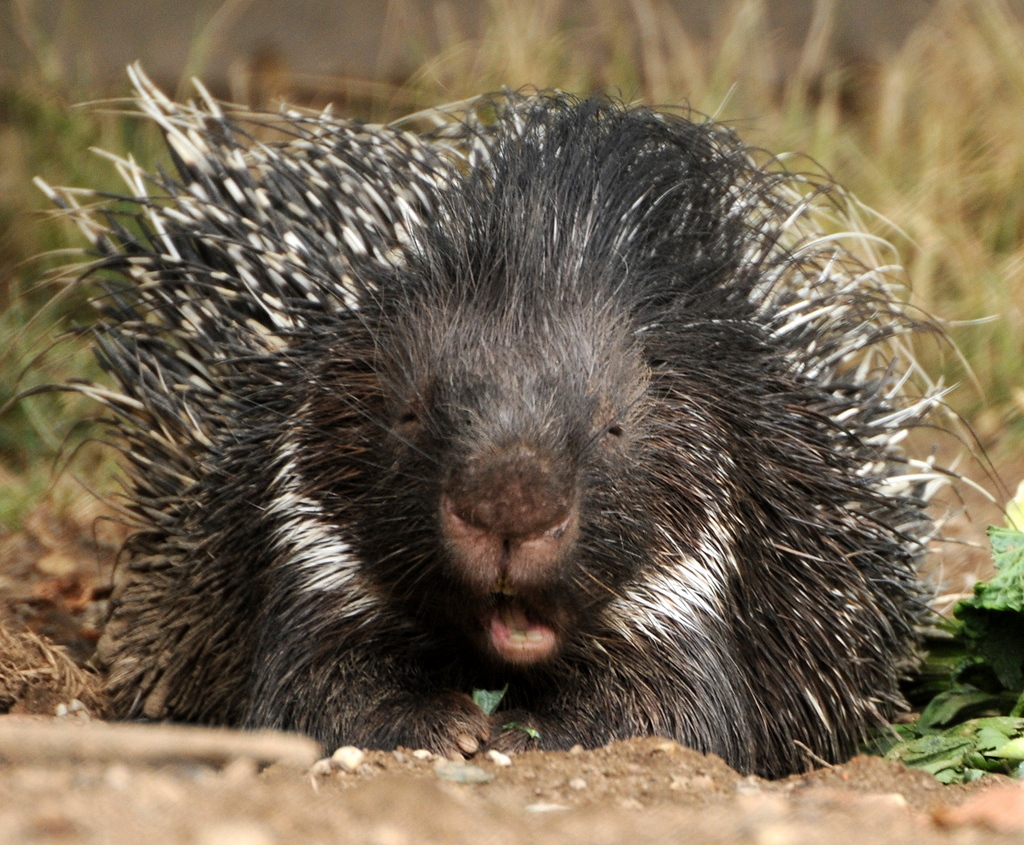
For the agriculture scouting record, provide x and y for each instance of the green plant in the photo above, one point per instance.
(973, 681)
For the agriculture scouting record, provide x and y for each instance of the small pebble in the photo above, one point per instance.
(71, 708)
(498, 758)
(749, 785)
(348, 758)
(894, 800)
(321, 768)
(541, 807)
(461, 772)
(576, 749)
(577, 784)
(423, 754)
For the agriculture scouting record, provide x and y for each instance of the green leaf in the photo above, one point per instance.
(488, 700)
(972, 775)
(989, 740)
(956, 704)
(1015, 510)
(1012, 750)
(931, 753)
(1004, 726)
(963, 752)
(975, 668)
(1007, 587)
(533, 733)
(950, 776)
(994, 617)
(1018, 709)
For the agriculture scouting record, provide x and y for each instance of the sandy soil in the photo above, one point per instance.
(641, 791)
(75, 779)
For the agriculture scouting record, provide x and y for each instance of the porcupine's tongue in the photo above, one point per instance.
(518, 640)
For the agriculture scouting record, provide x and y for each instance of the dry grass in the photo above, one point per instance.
(932, 139)
(36, 675)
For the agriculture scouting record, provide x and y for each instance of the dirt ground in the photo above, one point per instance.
(641, 791)
(73, 778)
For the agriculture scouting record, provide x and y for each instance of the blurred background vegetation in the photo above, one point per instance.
(930, 136)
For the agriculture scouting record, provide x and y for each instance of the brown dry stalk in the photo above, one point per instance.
(36, 675)
(25, 740)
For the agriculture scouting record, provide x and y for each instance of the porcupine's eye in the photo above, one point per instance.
(614, 436)
(609, 427)
(408, 422)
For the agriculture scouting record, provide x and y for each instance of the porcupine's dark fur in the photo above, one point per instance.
(560, 394)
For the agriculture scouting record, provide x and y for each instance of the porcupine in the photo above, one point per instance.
(559, 395)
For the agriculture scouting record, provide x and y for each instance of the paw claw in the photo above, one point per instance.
(467, 744)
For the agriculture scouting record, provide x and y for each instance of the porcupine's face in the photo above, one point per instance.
(514, 440)
(519, 489)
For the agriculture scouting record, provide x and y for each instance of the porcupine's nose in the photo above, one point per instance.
(508, 517)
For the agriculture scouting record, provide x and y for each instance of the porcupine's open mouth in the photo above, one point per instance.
(518, 639)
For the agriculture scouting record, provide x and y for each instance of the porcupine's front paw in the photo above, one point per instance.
(449, 723)
(515, 731)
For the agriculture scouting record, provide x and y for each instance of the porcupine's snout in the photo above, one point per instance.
(509, 518)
